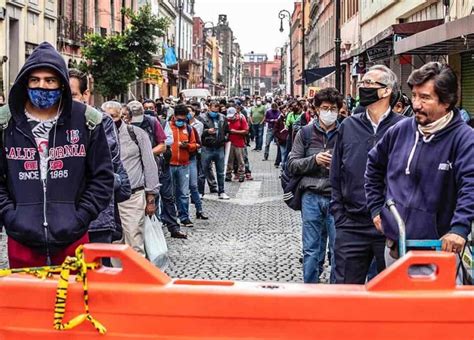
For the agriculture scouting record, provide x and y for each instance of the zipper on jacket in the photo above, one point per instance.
(45, 221)
(45, 224)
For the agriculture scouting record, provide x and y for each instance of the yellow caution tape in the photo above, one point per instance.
(77, 264)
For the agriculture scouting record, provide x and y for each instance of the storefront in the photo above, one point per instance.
(454, 39)
(380, 49)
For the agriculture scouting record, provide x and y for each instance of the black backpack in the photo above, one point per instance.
(289, 182)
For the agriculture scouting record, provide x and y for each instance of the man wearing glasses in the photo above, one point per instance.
(358, 242)
(310, 158)
(425, 164)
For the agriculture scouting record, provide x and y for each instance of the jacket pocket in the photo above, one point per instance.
(25, 224)
(419, 224)
(64, 224)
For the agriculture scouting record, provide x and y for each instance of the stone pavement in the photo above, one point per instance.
(252, 237)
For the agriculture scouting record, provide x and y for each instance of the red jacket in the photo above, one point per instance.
(180, 155)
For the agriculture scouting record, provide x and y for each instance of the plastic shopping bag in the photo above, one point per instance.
(155, 242)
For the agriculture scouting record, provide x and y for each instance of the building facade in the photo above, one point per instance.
(260, 75)
(225, 36)
(295, 49)
(24, 24)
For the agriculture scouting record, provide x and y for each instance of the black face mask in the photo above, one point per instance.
(149, 112)
(368, 95)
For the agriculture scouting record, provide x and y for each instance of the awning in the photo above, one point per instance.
(311, 75)
(381, 46)
(452, 37)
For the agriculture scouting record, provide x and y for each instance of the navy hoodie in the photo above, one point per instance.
(431, 180)
(49, 216)
(355, 139)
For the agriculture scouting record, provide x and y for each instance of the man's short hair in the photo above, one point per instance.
(330, 95)
(81, 76)
(388, 77)
(444, 78)
(213, 103)
(180, 110)
(149, 101)
(112, 105)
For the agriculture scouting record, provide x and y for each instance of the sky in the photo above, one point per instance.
(255, 23)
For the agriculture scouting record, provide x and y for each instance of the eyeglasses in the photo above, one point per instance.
(370, 83)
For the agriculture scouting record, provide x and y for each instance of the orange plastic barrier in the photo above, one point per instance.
(140, 302)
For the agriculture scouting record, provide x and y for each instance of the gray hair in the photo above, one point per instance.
(388, 77)
(111, 105)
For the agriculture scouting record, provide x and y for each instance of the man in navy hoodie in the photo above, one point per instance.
(357, 240)
(426, 165)
(56, 172)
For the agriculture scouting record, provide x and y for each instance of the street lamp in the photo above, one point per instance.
(284, 14)
(204, 48)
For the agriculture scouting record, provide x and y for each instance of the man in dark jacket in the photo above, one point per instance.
(102, 229)
(425, 164)
(214, 137)
(312, 161)
(56, 172)
(357, 240)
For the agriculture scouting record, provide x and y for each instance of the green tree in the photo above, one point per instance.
(141, 36)
(117, 60)
(111, 64)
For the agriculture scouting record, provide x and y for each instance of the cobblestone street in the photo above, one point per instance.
(251, 237)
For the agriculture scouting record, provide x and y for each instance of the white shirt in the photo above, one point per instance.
(374, 125)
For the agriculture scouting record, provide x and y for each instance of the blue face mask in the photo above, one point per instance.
(189, 116)
(44, 98)
(179, 123)
(213, 114)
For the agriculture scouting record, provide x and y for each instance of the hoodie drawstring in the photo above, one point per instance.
(412, 153)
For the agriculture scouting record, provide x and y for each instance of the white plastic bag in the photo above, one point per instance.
(155, 242)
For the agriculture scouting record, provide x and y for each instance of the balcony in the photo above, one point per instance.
(72, 32)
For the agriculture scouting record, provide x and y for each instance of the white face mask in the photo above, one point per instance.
(327, 117)
(259, 103)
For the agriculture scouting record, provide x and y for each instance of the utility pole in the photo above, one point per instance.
(302, 45)
(337, 42)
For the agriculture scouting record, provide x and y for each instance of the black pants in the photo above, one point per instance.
(354, 250)
(104, 236)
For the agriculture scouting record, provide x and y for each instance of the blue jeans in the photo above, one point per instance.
(168, 207)
(193, 183)
(180, 176)
(318, 224)
(283, 154)
(268, 140)
(258, 132)
(217, 155)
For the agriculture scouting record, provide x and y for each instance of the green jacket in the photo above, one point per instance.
(291, 119)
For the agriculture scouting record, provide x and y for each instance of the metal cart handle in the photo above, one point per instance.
(401, 227)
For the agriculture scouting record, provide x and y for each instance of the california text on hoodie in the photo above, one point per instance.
(430, 179)
(52, 214)
(356, 138)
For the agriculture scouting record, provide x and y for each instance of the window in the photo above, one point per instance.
(32, 19)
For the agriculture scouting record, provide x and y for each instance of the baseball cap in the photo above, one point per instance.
(231, 111)
(136, 109)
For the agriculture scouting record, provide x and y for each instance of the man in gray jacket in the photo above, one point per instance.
(310, 158)
(137, 157)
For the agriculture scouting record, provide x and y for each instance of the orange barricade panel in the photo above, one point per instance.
(141, 302)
